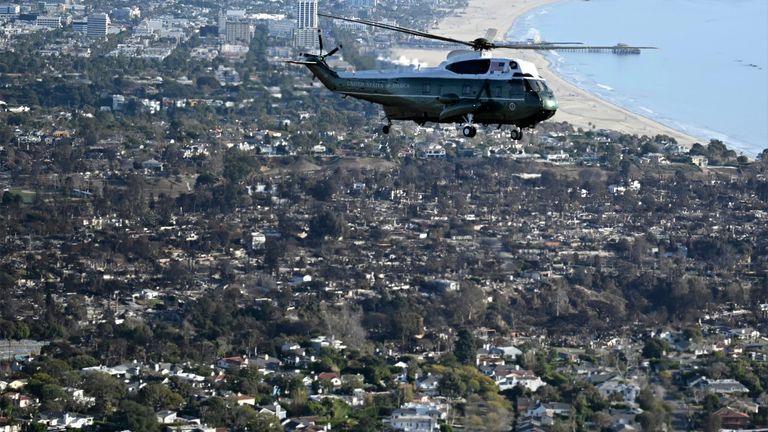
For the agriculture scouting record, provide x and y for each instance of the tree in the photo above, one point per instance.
(655, 348)
(106, 389)
(465, 349)
(215, 412)
(134, 417)
(327, 223)
(160, 397)
(238, 165)
(264, 422)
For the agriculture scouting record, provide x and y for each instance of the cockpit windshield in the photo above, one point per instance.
(536, 86)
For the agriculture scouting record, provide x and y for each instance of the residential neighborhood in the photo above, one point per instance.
(196, 236)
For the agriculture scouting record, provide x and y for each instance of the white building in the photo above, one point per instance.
(118, 101)
(98, 25)
(306, 34)
(49, 21)
(419, 417)
(9, 10)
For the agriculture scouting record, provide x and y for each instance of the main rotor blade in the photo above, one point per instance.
(332, 52)
(571, 46)
(398, 29)
(481, 44)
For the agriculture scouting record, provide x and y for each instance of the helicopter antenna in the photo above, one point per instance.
(486, 43)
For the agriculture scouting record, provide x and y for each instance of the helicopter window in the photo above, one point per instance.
(426, 89)
(467, 90)
(527, 85)
(516, 87)
(533, 86)
(470, 67)
(513, 65)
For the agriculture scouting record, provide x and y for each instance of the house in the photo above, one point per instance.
(19, 400)
(418, 417)
(320, 342)
(508, 352)
(699, 161)
(654, 159)
(619, 388)
(332, 377)
(547, 412)
(245, 400)
(152, 165)
(508, 377)
(747, 333)
(429, 384)
(266, 364)
(78, 396)
(66, 420)
(407, 421)
(232, 362)
(5, 425)
(528, 425)
(275, 409)
(166, 417)
(17, 384)
(731, 418)
(720, 387)
(305, 424)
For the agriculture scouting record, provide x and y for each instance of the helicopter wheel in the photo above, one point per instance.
(469, 131)
(516, 134)
(385, 129)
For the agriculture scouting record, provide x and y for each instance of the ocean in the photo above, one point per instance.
(709, 77)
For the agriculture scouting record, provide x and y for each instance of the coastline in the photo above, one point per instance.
(575, 105)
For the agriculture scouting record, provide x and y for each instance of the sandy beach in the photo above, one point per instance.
(576, 106)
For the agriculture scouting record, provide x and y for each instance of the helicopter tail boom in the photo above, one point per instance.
(321, 70)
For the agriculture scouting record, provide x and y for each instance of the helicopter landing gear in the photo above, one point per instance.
(469, 130)
(516, 134)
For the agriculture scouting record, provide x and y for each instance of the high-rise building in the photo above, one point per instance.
(98, 25)
(306, 32)
(230, 14)
(306, 14)
(238, 31)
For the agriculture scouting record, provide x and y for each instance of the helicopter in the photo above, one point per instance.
(469, 87)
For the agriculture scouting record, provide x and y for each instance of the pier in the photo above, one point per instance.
(618, 49)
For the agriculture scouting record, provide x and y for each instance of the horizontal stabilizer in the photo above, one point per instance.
(302, 62)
